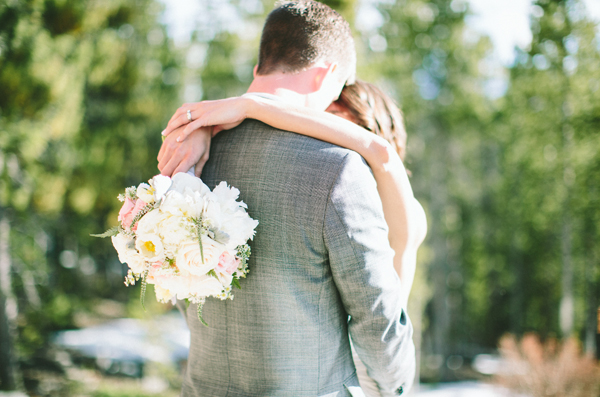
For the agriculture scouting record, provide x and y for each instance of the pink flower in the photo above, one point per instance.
(125, 212)
(139, 204)
(129, 210)
(227, 263)
(154, 273)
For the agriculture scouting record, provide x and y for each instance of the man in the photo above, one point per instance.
(321, 252)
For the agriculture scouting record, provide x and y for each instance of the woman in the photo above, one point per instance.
(363, 119)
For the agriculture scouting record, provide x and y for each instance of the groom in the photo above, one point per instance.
(321, 265)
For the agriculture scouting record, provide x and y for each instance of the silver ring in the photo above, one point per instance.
(189, 115)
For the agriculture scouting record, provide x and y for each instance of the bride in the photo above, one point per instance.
(363, 119)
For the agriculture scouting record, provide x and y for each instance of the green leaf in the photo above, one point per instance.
(200, 243)
(200, 314)
(143, 291)
(147, 208)
(113, 231)
(236, 283)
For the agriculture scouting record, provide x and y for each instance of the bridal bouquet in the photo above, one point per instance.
(189, 241)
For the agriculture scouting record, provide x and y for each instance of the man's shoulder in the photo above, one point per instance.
(257, 134)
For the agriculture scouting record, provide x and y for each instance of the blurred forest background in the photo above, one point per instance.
(505, 160)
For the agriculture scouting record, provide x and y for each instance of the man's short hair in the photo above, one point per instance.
(298, 34)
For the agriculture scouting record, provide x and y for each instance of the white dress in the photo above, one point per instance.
(367, 384)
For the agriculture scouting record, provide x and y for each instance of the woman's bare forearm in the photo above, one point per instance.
(405, 218)
(319, 125)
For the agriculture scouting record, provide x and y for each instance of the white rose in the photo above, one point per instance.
(150, 247)
(190, 260)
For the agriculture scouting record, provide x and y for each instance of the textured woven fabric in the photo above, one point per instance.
(320, 255)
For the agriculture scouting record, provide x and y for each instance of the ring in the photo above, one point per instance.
(189, 115)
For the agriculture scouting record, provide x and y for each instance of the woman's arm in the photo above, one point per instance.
(403, 214)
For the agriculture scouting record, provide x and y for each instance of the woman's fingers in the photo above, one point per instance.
(228, 112)
(191, 127)
(180, 117)
(160, 153)
(200, 164)
(177, 157)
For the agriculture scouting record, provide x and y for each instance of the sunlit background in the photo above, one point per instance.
(502, 106)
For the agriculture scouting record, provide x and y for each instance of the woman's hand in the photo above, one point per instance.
(222, 114)
(177, 157)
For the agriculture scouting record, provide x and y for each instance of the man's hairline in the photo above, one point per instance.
(348, 79)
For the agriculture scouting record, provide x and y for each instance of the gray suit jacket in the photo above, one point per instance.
(320, 255)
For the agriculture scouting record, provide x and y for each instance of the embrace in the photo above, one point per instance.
(323, 309)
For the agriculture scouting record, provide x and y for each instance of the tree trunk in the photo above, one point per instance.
(440, 320)
(567, 303)
(8, 314)
(592, 325)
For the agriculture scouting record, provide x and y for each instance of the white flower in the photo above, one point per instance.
(183, 181)
(136, 263)
(161, 185)
(240, 228)
(196, 203)
(177, 286)
(190, 260)
(176, 204)
(149, 222)
(201, 286)
(173, 230)
(183, 285)
(227, 195)
(122, 244)
(187, 196)
(162, 294)
(145, 193)
(150, 247)
(125, 247)
(229, 217)
(166, 245)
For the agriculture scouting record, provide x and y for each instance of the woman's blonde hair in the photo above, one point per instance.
(376, 112)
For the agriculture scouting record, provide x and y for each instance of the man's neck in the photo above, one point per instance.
(293, 88)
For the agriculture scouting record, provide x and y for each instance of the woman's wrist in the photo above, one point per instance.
(249, 105)
(381, 154)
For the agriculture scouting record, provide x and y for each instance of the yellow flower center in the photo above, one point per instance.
(150, 246)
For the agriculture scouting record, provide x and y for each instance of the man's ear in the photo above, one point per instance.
(254, 70)
(321, 73)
